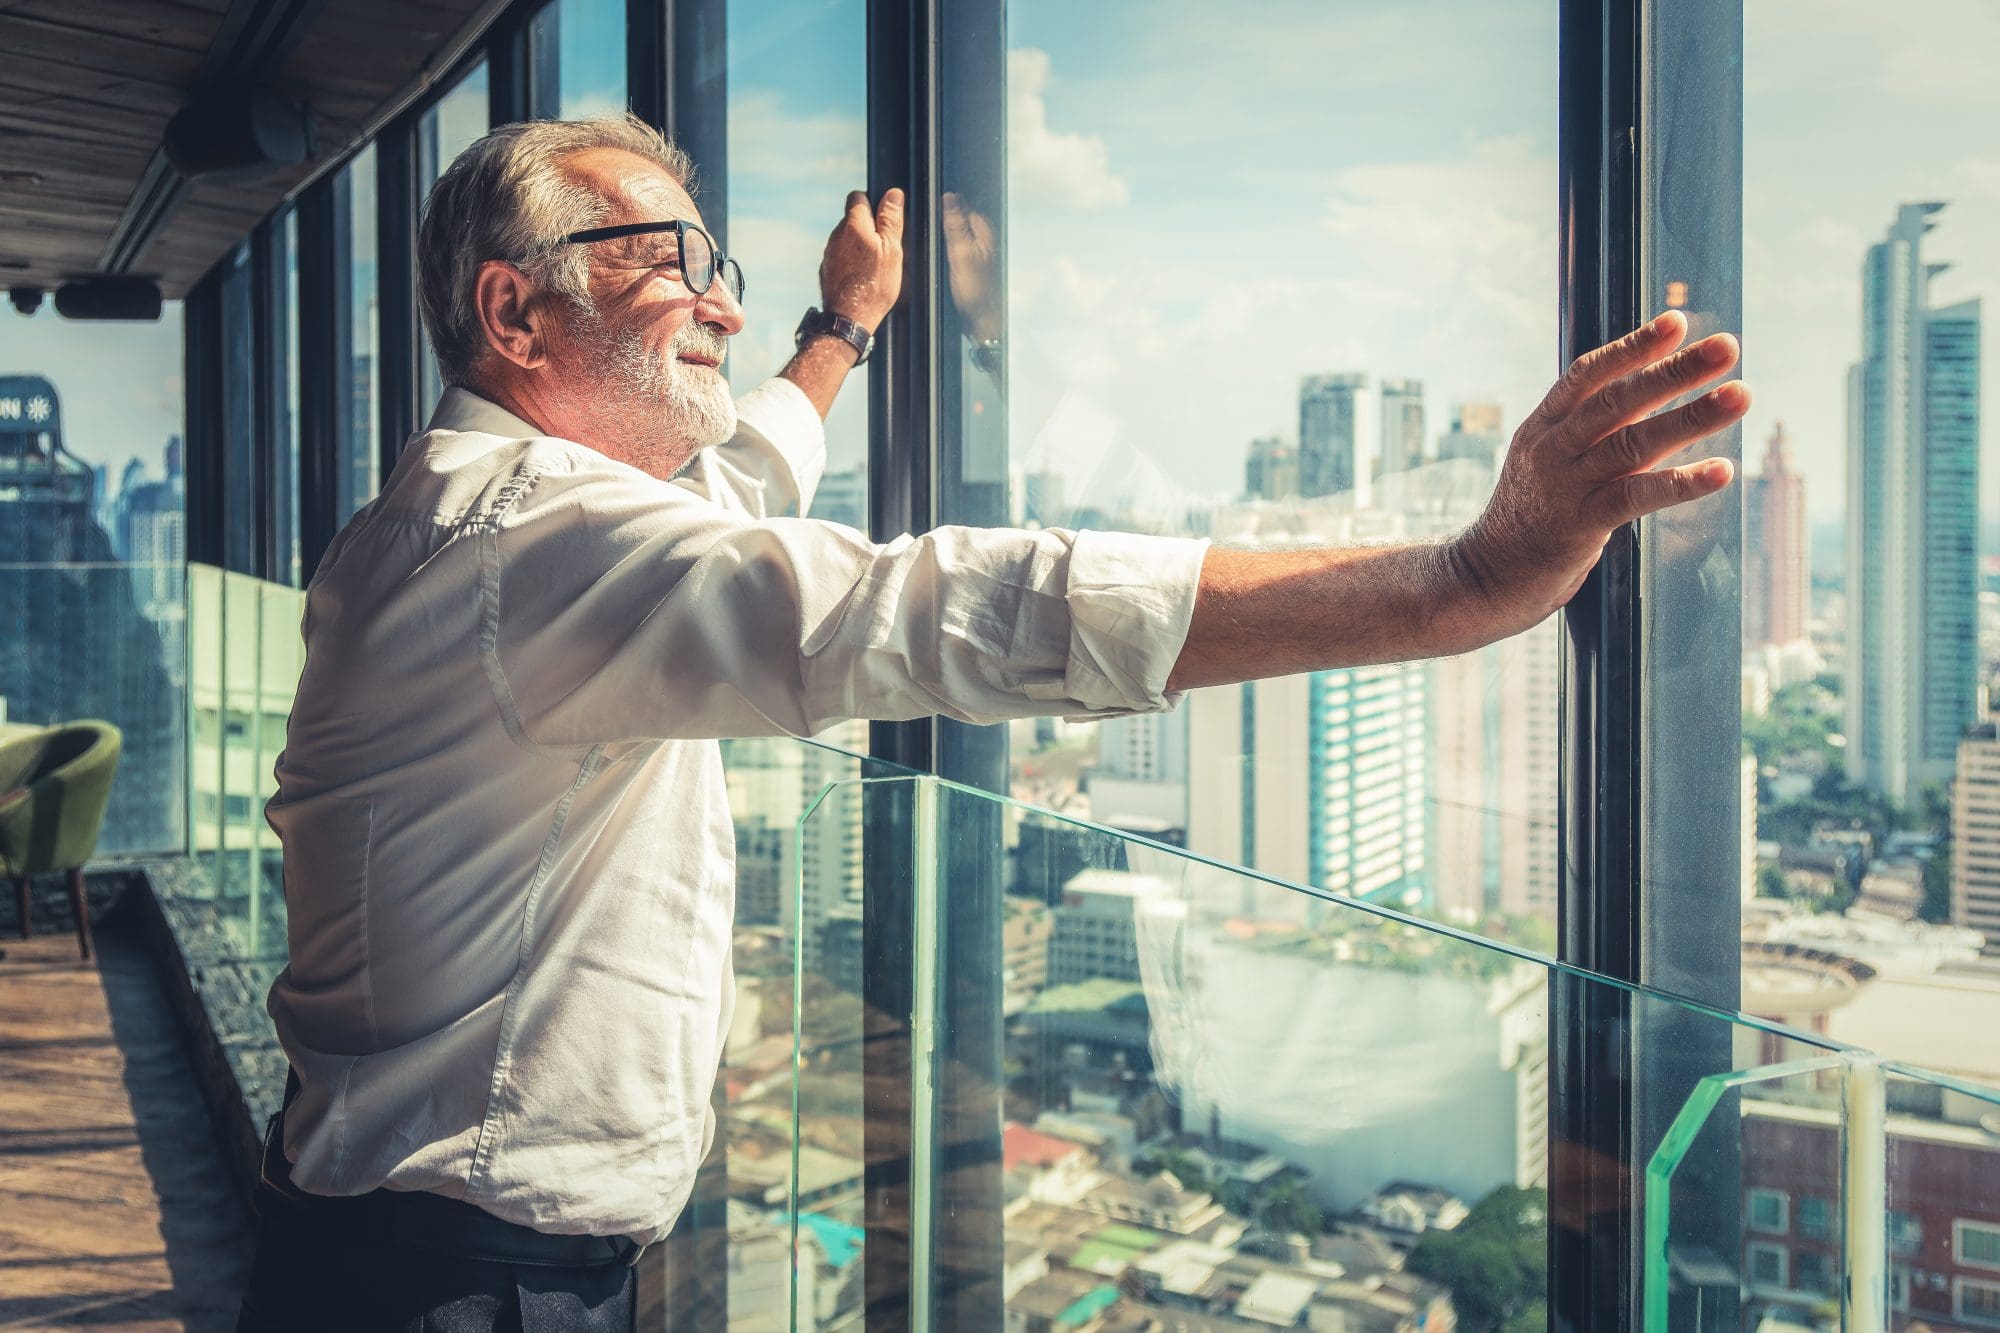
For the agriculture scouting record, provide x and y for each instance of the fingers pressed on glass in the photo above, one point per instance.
(1643, 444)
(1593, 370)
(1645, 493)
(1632, 396)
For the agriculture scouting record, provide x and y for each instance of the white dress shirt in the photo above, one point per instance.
(509, 861)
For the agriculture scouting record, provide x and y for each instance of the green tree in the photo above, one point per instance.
(1492, 1262)
(1287, 1207)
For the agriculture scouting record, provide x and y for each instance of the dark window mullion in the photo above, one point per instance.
(1593, 1276)
(902, 430)
(325, 363)
(267, 359)
(399, 337)
(203, 426)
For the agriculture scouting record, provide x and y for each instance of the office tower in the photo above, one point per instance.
(1271, 472)
(1316, 778)
(1327, 423)
(1912, 532)
(1776, 550)
(1475, 434)
(1402, 426)
(1975, 824)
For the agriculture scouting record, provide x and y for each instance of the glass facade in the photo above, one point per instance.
(1155, 328)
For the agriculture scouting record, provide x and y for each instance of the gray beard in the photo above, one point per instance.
(693, 400)
(684, 408)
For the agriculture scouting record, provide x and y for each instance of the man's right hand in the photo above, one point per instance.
(1581, 464)
(1584, 462)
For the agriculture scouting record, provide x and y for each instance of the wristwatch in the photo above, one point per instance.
(818, 322)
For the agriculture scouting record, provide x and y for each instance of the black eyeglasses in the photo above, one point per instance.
(700, 260)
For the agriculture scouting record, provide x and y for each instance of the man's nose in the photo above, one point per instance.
(719, 307)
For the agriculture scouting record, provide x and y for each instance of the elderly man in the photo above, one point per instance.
(508, 852)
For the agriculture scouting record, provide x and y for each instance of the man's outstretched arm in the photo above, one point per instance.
(1580, 465)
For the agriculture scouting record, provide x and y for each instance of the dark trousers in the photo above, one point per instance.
(312, 1279)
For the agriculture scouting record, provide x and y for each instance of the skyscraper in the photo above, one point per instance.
(1327, 421)
(1318, 778)
(1271, 472)
(1402, 426)
(1776, 550)
(1912, 531)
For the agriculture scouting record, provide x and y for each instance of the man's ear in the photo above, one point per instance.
(510, 314)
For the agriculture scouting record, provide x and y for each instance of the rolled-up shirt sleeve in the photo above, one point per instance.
(620, 608)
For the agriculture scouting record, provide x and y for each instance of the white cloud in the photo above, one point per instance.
(770, 147)
(1052, 168)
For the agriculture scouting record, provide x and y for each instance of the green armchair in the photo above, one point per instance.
(54, 785)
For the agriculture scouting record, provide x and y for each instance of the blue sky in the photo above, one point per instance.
(1205, 205)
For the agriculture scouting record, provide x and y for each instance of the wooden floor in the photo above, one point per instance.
(115, 1210)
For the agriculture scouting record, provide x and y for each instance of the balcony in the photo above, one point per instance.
(1161, 1088)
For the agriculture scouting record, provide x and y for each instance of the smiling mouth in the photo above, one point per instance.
(702, 361)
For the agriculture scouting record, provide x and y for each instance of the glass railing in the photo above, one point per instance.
(1170, 1088)
(1115, 1081)
(105, 640)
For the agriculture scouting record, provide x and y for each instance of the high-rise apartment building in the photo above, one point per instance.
(1271, 472)
(1776, 550)
(1912, 521)
(1402, 426)
(1316, 778)
(1328, 421)
(1494, 793)
(1975, 826)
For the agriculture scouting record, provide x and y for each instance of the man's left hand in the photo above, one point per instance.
(861, 274)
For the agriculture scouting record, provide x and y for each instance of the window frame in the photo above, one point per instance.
(1783, 1226)
(1961, 1227)
(1765, 1248)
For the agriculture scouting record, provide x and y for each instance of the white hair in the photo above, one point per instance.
(507, 197)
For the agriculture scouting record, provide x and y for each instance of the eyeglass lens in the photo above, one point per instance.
(698, 264)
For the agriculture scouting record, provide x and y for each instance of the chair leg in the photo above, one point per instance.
(21, 901)
(81, 901)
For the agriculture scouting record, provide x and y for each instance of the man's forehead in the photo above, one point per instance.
(635, 189)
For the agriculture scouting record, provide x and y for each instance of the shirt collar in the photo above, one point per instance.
(463, 410)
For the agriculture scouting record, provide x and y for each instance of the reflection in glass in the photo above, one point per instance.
(1164, 326)
(1270, 1103)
